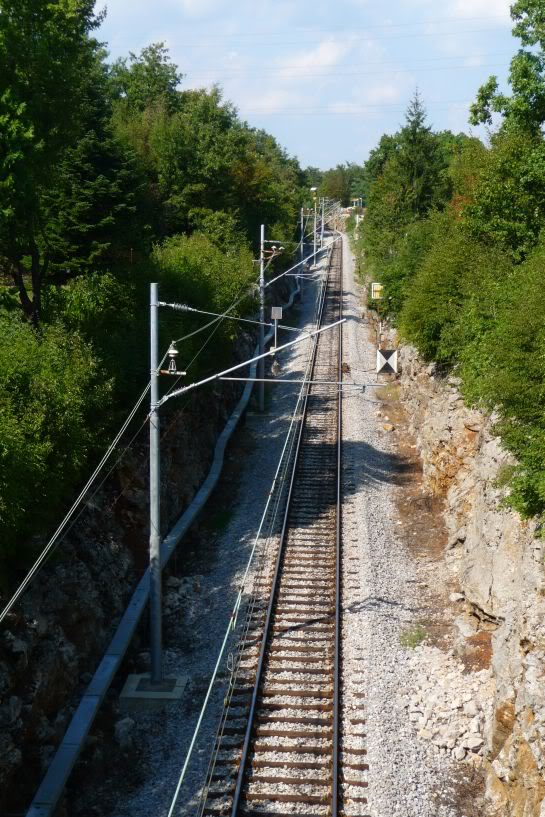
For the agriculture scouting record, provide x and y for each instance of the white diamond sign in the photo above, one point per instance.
(386, 361)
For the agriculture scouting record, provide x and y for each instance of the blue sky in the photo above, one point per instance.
(326, 78)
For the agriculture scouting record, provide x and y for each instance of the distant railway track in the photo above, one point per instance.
(279, 749)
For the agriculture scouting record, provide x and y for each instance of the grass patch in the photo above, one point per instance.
(504, 476)
(389, 394)
(412, 637)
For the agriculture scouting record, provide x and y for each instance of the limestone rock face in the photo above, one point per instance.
(499, 565)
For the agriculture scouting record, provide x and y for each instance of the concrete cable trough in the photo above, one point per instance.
(60, 768)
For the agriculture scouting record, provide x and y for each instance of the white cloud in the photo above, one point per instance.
(480, 8)
(199, 8)
(272, 100)
(325, 55)
(465, 9)
(457, 116)
(383, 92)
(474, 62)
(345, 107)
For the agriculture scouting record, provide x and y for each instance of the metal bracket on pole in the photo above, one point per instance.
(220, 375)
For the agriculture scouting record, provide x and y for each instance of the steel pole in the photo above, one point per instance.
(302, 250)
(262, 316)
(315, 226)
(156, 648)
(322, 228)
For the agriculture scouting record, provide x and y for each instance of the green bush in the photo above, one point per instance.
(51, 393)
(452, 295)
(504, 368)
(406, 258)
(508, 207)
(111, 313)
(195, 271)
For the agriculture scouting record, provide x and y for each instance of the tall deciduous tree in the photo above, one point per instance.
(525, 106)
(336, 184)
(65, 183)
(146, 79)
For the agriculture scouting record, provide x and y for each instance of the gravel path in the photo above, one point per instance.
(406, 775)
(379, 601)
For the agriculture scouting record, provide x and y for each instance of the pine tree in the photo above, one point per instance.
(420, 161)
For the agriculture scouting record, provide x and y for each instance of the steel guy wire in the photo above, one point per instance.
(374, 26)
(437, 35)
(62, 529)
(193, 310)
(399, 71)
(391, 64)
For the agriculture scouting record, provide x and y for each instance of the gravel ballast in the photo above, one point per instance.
(206, 603)
(406, 776)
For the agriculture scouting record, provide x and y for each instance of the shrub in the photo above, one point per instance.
(52, 391)
(410, 638)
(195, 271)
(452, 295)
(406, 258)
(504, 367)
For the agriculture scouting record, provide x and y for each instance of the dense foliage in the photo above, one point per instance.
(454, 230)
(110, 175)
(343, 183)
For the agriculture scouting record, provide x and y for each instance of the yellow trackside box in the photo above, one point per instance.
(377, 292)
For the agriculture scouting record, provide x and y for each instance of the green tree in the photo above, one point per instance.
(410, 178)
(452, 295)
(336, 184)
(146, 79)
(525, 106)
(374, 166)
(52, 393)
(46, 58)
(420, 162)
(507, 209)
(312, 178)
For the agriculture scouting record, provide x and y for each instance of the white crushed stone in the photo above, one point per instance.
(379, 602)
(379, 599)
(163, 738)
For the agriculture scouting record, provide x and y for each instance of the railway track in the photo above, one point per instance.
(279, 749)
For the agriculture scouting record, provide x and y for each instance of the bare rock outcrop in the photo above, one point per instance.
(498, 561)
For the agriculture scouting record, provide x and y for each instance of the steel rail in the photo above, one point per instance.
(338, 544)
(253, 600)
(270, 607)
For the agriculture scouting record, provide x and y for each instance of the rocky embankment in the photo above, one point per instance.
(495, 564)
(52, 641)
